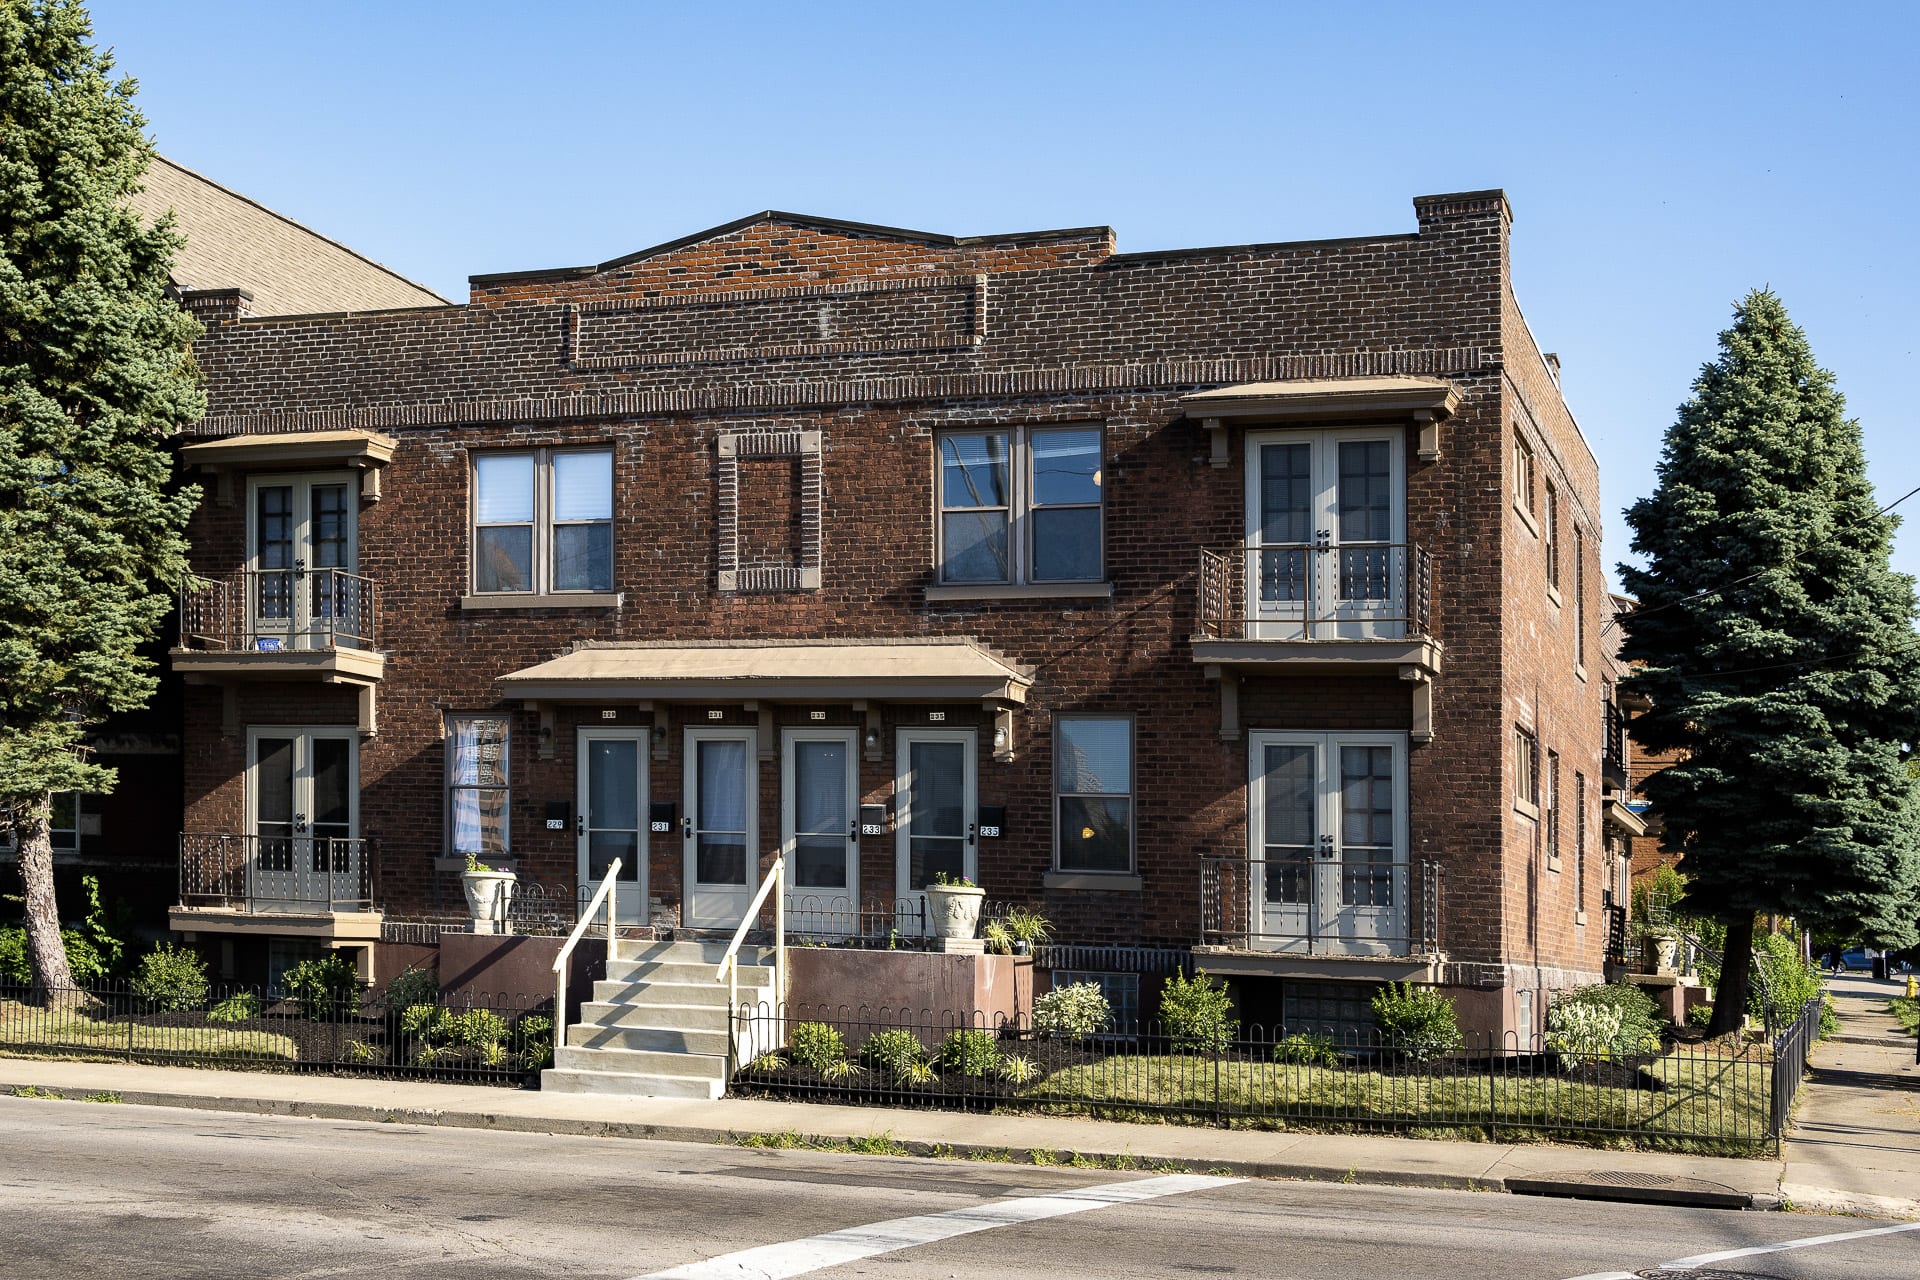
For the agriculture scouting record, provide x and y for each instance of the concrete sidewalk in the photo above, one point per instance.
(1854, 1146)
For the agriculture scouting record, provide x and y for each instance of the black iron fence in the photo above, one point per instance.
(529, 909)
(874, 923)
(1790, 1050)
(1717, 1097)
(471, 1037)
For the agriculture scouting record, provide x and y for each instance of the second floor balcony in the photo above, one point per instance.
(282, 624)
(1321, 604)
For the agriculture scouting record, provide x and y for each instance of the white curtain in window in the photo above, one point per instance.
(723, 786)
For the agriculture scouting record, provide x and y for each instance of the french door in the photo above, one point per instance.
(1327, 820)
(1326, 532)
(719, 827)
(934, 806)
(303, 800)
(819, 798)
(611, 815)
(302, 588)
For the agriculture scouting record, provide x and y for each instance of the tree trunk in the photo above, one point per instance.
(1736, 974)
(46, 952)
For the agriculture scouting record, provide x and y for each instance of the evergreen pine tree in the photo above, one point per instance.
(96, 369)
(1777, 648)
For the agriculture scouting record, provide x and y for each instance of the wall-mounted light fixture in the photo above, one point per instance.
(1002, 733)
(872, 740)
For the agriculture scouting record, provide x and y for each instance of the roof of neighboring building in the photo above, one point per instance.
(234, 242)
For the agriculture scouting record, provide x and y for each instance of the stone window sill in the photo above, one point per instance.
(1553, 594)
(1527, 809)
(1579, 673)
(1023, 591)
(1526, 518)
(1097, 881)
(441, 863)
(561, 600)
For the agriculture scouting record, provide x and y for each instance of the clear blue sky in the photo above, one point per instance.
(1662, 159)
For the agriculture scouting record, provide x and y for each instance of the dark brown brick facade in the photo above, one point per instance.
(777, 325)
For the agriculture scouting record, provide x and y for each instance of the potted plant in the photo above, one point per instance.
(1662, 945)
(953, 902)
(1028, 929)
(489, 893)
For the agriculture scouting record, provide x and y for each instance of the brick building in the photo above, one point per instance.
(1238, 599)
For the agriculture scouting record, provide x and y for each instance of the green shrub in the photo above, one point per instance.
(970, 1053)
(841, 1069)
(1418, 1022)
(421, 1021)
(535, 1034)
(1018, 1069)
(83, 959)
(1791, 982)
(1072, 1012)
(1699, 1016)
(816, 1045)
(479, 1027)
(1307, 1049)
(171, 978)
(893, 1051)
(1198, 1016)
(413, 986)
(324, 988)
(1632, 1025)
(238, 1007)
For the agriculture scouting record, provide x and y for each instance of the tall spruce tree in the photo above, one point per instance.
(96, 369)
(1777, 649)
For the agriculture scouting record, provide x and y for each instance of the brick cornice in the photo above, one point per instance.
(1165, 375)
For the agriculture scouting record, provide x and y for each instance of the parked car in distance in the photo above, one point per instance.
(1855, 958)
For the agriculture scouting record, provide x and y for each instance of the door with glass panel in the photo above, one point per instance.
(303, 816)
(719, 827)
(611, 816)
(934, 810)
(303, 591)
(1327, 821)
(819, 799)
(1326, 558)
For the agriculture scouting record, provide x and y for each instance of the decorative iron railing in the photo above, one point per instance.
(269, 610)
(1613, 750)
(1321, 906)
(1316, 591)
(276, 873)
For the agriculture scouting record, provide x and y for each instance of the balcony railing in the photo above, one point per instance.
(1613, 751)
(269, 610)
(291, 874)
(1321, 906)
(1311, 591)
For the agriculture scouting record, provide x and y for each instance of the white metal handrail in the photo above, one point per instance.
(774, 882)
(603, 894)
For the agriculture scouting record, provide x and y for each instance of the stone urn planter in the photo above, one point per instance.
(1663, 953)
(489, 894)
(954, 909)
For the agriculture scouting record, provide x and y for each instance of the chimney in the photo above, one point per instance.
(1553, 365)
(213, 307)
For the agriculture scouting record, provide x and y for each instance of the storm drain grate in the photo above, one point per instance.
(1639, 1188)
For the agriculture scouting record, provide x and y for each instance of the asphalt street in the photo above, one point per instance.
(107, 1190)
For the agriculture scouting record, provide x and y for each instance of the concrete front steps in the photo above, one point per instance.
(657, 1024)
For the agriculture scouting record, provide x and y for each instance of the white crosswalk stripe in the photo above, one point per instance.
(816, 1253)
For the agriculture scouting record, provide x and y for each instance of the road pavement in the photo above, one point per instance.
(98, 1189)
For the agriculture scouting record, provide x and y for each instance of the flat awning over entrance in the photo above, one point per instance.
(798, 670)
(1322, 398)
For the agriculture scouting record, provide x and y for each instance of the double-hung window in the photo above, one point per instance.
(1093, 794)
(543, 522)
(1550, 809)
(478, 786)
(1020, 506)
(1550, 535)
(1526, 770)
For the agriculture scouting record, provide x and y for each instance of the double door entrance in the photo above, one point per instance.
(1328, 823)
(718, 823)
(1326, 557)
(303, 591)
(303, 800)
